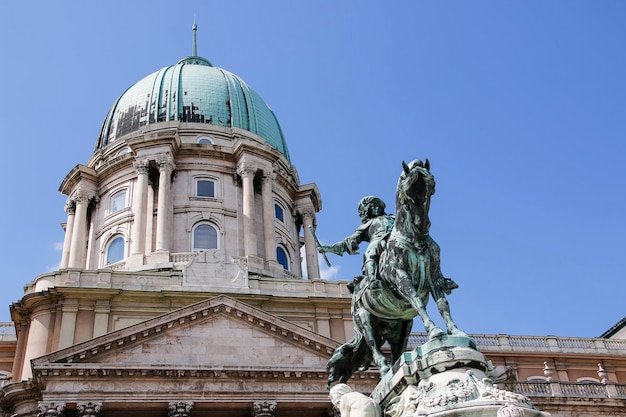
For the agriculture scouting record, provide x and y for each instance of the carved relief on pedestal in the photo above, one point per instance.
(51, 409)
(180, 408)
(263, 408)
(89, 409)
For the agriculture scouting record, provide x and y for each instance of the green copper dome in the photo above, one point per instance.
(192, 91)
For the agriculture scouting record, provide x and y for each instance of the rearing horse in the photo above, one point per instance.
(410, 273)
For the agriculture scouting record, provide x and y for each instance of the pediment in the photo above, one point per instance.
(217, 334)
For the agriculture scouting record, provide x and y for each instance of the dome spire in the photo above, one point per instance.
(194, 50)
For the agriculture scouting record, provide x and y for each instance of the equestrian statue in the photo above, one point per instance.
(401, 271)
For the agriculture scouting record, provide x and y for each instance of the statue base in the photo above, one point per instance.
(448, 377)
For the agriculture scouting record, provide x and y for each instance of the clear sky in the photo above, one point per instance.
(520, 107)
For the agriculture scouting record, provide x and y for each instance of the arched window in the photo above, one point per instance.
(118, 201)
(205, 140)
(115, 250)
(204, 237)
(282, 258)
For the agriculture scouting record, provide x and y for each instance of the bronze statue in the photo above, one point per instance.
(409, 274)
(375, 229)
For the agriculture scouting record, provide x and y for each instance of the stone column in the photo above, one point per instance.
(79, 231)
(51, 409)
(89, 409)
(180, 408)
(310, 249)
(263, 408)
(249, 216)
(21, 330)
(164, 209)
(37, 343)
(102, 309)
(140, 197)
(91, 236)
(68, 323)
(70, 208)
(149, 218)
(268, 219)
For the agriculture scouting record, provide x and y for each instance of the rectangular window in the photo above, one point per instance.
(205, 188)
(278, 210)
(118, 201)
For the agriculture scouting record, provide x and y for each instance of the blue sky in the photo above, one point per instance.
(520, 107)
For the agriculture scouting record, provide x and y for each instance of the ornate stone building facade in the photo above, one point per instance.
(181, 292)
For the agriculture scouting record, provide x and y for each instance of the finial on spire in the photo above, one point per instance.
(194, 51)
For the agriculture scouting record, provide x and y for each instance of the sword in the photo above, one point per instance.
(317, 242)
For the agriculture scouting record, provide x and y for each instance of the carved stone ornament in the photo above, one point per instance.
(263, 408)
(459, 390)
(166, 164)
(180, 408)
(51, 409)
(142, 166)
(89, 409)
(70, 207)
(247, 169)
(510, 410)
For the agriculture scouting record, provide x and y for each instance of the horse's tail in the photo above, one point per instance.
(348, 358)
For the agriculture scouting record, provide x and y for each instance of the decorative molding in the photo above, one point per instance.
(220, 305)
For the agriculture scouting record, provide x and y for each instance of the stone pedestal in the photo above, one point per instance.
(447, 377)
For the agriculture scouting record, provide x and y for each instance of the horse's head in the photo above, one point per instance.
(415, 187)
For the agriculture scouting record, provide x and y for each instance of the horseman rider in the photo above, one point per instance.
(375, 229)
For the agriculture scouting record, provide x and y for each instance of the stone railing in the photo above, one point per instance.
(183, 257)
(7, 332)
(570, 389)
(547, 344)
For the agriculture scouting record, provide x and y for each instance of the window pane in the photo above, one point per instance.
(281, 257)
(204, 237)
(205, 188)
(115, 252)
(279, 212)
(118, 201)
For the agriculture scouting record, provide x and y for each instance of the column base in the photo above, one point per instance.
(134, 260)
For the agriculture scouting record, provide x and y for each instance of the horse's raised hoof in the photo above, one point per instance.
(457, 332)
(384, 370)
(435, 332)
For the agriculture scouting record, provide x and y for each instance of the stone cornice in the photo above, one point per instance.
(80, 173)
(309, 194)
(221, 305)
(13, 394)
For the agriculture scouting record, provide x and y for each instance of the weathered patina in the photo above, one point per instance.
(409, 273)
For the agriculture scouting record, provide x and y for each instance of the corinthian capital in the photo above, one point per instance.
(81, 195)
(142, 166)
(51, 409)
(89, 409)
(70, 207)
(307, 211)
(247, 169)
(166, 164)
(263, 408)
(180, 408)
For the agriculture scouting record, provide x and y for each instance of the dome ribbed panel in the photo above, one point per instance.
(238, 108)
(204, 96)
(192, 91)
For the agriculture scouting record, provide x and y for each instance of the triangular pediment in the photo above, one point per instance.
(219, 333)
